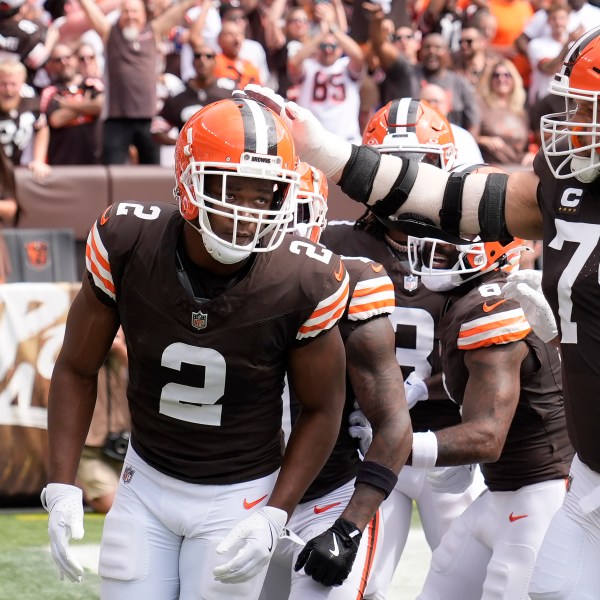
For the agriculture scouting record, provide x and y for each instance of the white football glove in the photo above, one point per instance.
(525, 287)
(360, 428)
(257, 535)
(415, 390)
(64, 504)
(314, 144)
(451, 480)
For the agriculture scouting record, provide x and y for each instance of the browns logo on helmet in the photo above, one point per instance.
(236, 138)
(412, 128)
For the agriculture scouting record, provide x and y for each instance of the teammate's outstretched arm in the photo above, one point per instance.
(377, 383)
(496, 206)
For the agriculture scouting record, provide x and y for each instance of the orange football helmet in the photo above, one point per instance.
(564, 135)
(236, 138)
(412, 128)
(310, 216)
(461, 263)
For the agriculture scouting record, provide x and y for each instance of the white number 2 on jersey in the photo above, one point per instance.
(194, 404)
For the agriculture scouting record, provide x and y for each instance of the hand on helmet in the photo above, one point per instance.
(314, 144)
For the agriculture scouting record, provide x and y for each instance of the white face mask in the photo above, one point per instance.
(441, 283)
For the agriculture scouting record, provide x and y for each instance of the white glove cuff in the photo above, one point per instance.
(276, 516)
(55, 492)
(424, 450)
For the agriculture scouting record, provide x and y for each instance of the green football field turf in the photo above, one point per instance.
(27, 571)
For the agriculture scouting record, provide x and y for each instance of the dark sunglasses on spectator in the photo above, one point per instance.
(501, 75)
(402, 36)
(207, 55)
(326, 46)
(467, 41)
(297, 20)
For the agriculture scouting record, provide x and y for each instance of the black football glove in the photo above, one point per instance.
(328, 558)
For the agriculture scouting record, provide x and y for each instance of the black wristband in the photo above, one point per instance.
(377, 476)
(491, 210)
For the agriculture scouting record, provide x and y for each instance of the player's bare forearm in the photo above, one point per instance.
(71, 404)
(90, 329)
(490, 400)
(317, 375)
(378, 386)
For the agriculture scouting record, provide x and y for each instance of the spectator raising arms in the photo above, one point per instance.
(329, 83)
(131, 56)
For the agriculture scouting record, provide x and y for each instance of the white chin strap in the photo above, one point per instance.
(222, 253)
(441, 283)
(580, 162)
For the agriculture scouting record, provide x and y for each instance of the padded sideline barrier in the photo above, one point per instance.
(41, 255)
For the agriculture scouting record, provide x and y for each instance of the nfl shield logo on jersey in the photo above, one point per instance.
(199, 320)
(127, 474)
(410, 283)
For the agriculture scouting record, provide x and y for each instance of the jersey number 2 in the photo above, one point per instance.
(194, 404)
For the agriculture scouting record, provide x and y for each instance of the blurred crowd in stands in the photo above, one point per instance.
(113, 81)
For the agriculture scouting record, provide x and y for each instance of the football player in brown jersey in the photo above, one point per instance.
(508, 384)
(411, 128)
(337, 515)
(557, 202)
(216, 304)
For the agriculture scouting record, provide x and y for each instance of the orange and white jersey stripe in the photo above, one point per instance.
(370, 298)
(96, 262)
(499, 328)
(328, 312)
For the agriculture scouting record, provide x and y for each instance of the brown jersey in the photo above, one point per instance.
(371, 296)
(571, 217)
(415, 319)
(179, 108)
(537, 446)
(75, 142)
(131, 74)
(25, 40)
(206, 376)
(17, 127)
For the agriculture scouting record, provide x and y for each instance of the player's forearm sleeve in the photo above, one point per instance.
(395, 188)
